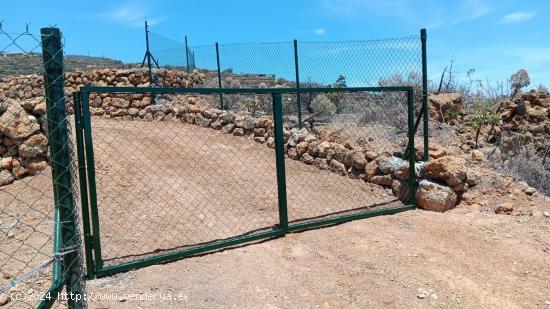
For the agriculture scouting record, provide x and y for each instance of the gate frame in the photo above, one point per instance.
(94, 260)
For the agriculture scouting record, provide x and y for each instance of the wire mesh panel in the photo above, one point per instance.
(183, 177)
(39, 238)
(166, 182)
(331, 162)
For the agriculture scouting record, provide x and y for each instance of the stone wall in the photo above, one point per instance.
(24, 152)
(23, 125)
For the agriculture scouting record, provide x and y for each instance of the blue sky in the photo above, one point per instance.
(496, 37)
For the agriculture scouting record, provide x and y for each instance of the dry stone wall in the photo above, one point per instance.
(23, 123)
(24, 144)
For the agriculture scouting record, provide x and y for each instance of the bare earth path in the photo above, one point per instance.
(463, 258)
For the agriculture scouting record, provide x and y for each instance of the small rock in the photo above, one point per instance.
(302, 148)
(292, 153)
(505, 208)
(216, 125)
(238, 132)
(421, 296)
(478, 155)
(436, 152)
(308, 159)
(6, 178)
(4, 299)
(270, 142)
(530, 191)
(5, 163)
(385, 180)
(546, 214)
(472, 178)
(356, 159)
(338, 167)
(228, 128)
(34, 146)
(259, 139)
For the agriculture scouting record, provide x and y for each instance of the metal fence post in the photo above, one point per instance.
(219, 73)
(60, 161)
(425, 94)
(280, 161)
(412, 154)
(298, 96)
(79, 127)
(148, 54)
(187, 55)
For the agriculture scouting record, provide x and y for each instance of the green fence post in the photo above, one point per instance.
(425, 94)
(219, 73)
(297, 72)
(60, 161)
(90, 164)
(83, 185)
(187, 55)
(280, 161)
(148, 54)
(412, 154)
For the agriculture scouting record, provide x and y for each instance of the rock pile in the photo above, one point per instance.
(441, 181)
(529, 115)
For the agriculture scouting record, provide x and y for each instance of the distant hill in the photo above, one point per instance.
(27, 64)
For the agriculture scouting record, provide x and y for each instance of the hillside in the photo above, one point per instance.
(27, 64)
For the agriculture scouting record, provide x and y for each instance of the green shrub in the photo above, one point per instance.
(322, 104)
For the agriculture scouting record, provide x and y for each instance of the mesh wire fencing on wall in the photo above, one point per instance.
(39, 234)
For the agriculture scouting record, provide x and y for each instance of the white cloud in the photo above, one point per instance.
(319, 31)
(517, 17)
(130, 15)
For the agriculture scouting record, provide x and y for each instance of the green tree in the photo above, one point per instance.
(340, 82)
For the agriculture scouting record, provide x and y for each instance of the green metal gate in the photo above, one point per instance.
(110, 225)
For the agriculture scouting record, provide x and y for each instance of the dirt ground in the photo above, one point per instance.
(459, 259)
(464, 258)
(173, 184)
(196, 184)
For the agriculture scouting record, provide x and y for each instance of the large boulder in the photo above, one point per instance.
(16, 123)
(449, 169)
(434, 196)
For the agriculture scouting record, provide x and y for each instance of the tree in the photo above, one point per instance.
(519, 80)
(340, 82)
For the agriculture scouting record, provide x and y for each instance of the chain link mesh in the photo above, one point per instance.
(360, 63)
(177, 185)
(34, 252)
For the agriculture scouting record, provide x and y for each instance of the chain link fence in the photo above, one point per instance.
(186, 177)
(306, 64)
(39, 234)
